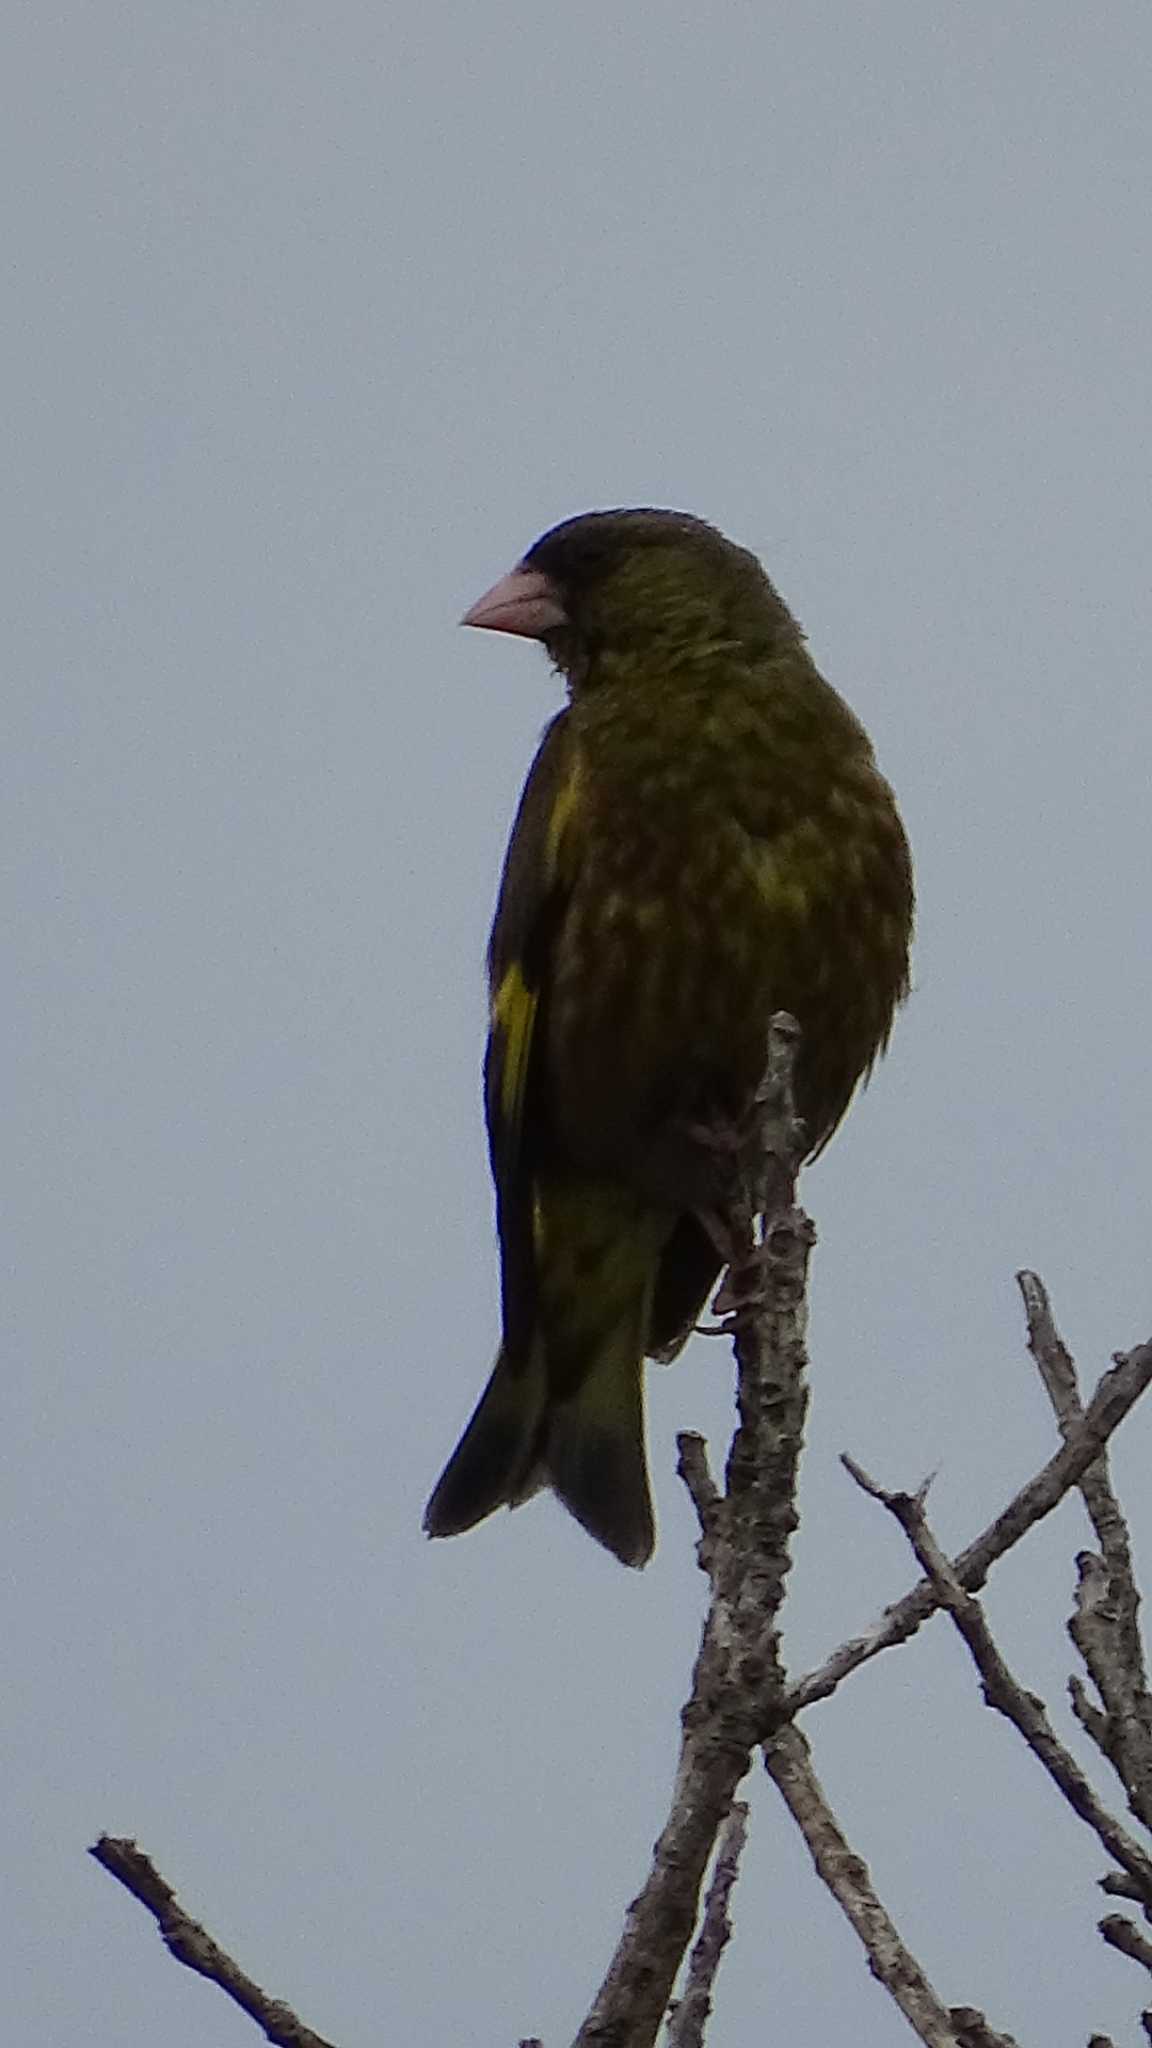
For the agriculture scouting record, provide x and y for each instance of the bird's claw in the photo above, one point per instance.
(742, 1287)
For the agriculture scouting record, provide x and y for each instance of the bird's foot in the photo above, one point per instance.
(760, 1156)
(741, 1290)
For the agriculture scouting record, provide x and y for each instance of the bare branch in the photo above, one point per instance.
(690, 2016)
(693, 1468)
(1118, 1390)
(1118, 1886)
(788, 1763)
(739, 1699)
(1093, 1722)
(1105, 1626)
(1126, 1936)
(1102, 1626)
(193, 1946)
(1057, 1369)
(744, 1550)
(973, 2030)
(1004, 1692)
(633, 1997)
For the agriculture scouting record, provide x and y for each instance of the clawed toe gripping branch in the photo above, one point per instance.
(741, 1700)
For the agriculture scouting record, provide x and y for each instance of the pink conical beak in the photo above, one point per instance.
(525, 601)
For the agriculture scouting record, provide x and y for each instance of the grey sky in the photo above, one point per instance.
(318, 315)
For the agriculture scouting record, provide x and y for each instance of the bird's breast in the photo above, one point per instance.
(711, 886)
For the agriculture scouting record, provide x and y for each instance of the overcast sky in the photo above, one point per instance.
(316, 317)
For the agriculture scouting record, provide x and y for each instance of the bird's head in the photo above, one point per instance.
(659, 585)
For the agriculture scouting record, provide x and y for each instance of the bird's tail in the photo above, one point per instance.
(566, 1410)
(593, 1454)
(589, 1448)
(494, 1462)
(597, 1251)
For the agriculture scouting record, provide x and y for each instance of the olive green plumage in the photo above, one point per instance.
(704, 838)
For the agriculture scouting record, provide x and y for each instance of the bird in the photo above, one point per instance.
(703, 839)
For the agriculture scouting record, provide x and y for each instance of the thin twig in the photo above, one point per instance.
(788, 1763)
(1105, 1625)
(1101, 1626)
(1057, 1369)
(193, 1946)
(1118, 1390)
(1004, 1692)
(1118, 1886)
(693, 1468)
(689, 2017)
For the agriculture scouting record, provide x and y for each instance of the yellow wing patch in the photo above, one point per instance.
(513, 1016)
(564, 808)
(536, 893)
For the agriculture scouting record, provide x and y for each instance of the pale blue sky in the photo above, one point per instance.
(316, 317)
